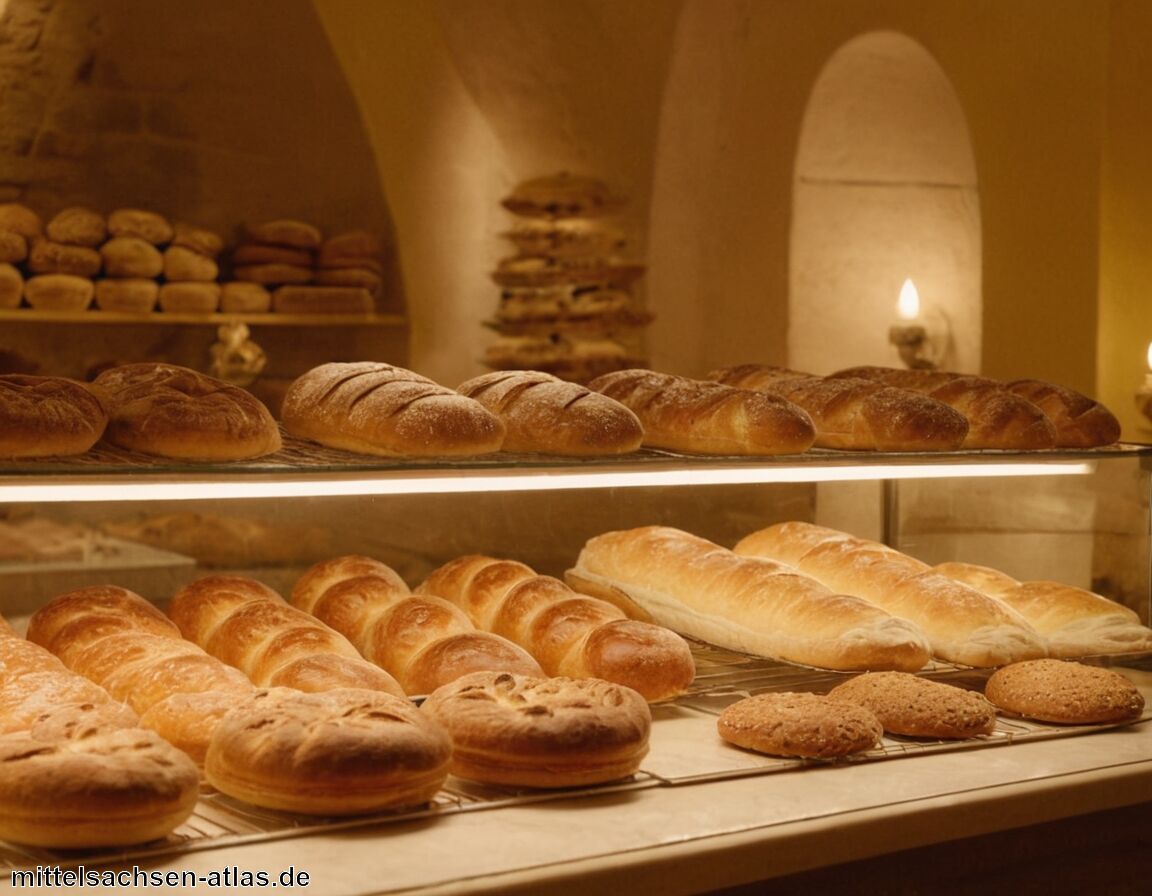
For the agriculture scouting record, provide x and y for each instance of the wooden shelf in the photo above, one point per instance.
(163, 318)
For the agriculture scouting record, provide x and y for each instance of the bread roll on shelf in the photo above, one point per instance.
(249, 626)
(1074, 621)
(699, 417)
(47, 416)
(962, 625)
(424, 641)
(751, 605)
(857, 414)
(569, 634)
(1080, 421)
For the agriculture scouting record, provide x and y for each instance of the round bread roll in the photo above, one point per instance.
(520, 731)
(273, 274)
(354, 248)
(51, 257)
(18, 218)
(182, 263)
(286, 232)
(799, 724)
(918, 707)
(131, 256)
(362, 277)
(13, 247)
(1064, 692)
(134, 294)
(198, 239)
(78, 226)
(260, 253)
(150, 226)
(190, 297)
(47, 416)
(562, 195)
(172, 411)
(341, 752)
(11, 286)
(59, 292)
(117, 788)
(237, 297)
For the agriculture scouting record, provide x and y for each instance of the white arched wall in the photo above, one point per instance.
(885, 189)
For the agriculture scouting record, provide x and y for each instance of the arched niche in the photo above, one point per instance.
(885, 189)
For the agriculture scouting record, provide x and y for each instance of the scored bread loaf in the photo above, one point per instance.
(422, 640)
(43, 416)
(997, 417)
(1075, 622)
(542, 412)
(1080, 421)
(569, 634)
(857, 414)
(374, 408)
(248, 625)
(171, 411)
(699, 417)
(751, 605)
(962, 625)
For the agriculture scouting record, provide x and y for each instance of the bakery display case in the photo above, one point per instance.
(700, 814)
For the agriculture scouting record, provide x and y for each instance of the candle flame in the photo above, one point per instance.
(908, 305)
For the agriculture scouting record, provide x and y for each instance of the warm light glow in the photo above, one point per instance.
(908, 305)
(1149, 356)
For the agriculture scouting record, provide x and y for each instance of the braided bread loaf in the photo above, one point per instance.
(569, 634)
(424, 641)
(248, 625)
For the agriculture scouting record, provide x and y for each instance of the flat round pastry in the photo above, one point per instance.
(1065, 692)
(47, 416)
(116, 788)
(909, 705)
(341, 752)
(136, 294)
(562, 195)
(172, 411)
(799, 724)
(522, 731)
(77, 226)
(150, 226)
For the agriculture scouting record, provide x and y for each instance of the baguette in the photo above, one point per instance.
(1075, 622)
(962, 625)
(755, 606)
(997, 418)
(424, 641)
(544, 413)
(570, 635)
(375, 408)
(249, 626)
(857, 414)
(699, 417)
(1080, 421)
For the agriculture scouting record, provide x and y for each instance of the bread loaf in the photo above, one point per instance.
(1064, 692)
(422, 640)
(135, 295)
(568, 634)
(544, 413)
(248, 625)
(997, 417)
(961, 624)
(857, 414)
(751, 605)
(172, 411)
(810, 726)
(77, 226)
(699, 417)
(374, 408)
(1075, 622)
(1080, 421)
(59, 292)
(150, 226)
(46, 416)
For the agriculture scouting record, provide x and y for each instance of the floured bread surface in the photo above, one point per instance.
(1051, 690)
(799, 724)
(918, 707)
(43, 416)
(542, 732)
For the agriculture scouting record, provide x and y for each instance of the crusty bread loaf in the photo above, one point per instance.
(563, 195)
(176, 412)
(137, 295)
(422, 640)
(147, 225)
(857, 414)
(1080, 421)
(961, 624)
(44, 416)
(699, 417)
(544, 413)
(286, 232)
(997, 417)
(50, 257)
(189, 297)
(248, 625)
(21, 219)
(751, 605)
(184, 264)
(59, 292)
(77, 226)
(374, 408)
(569, 634)
(131, 256)
(1074, 621)
(13, 247)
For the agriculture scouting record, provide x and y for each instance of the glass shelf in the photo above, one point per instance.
(165, 318)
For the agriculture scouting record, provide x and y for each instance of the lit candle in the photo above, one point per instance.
(908, 305)
(1144, 390)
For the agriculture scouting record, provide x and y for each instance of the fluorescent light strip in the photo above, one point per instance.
(456, 482)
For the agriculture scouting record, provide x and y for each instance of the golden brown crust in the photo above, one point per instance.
(129, 294)
(799, 724)
(43, 416)
(131, 256)
(286, 232)
(59, 292)
(135, 222)
(918, 707)
(374, 408)
(182, 263)
(522, 731)
(13, 247)
(176, 412)
(199, 239)
(189, 297)
(77, 226)
(1065, 692)
(1080, 421)
(19, 218)
(563, 195)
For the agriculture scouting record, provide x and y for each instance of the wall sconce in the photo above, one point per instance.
(921, 343)
(1144, 392)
